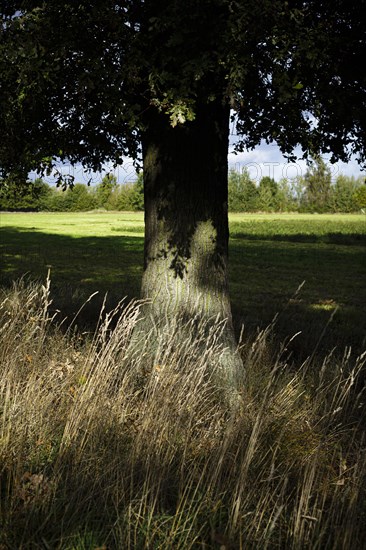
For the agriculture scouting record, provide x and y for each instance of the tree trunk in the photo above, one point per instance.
(186, 224)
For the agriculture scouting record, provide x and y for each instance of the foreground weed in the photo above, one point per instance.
(103, 445)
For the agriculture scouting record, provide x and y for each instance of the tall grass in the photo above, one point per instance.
(102, 447)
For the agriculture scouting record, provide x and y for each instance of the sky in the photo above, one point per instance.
(267, 160)
(264, 160)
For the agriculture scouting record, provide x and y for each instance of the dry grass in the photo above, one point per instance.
(100, 447)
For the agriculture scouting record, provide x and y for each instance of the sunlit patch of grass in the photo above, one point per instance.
(102, 446)
(326, 305)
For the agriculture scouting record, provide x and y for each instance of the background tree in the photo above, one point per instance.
(298, 190)
(131, 195)
(235, 200)
(78, 199)
(90, 82)
(31, 197)
(360, 196)
(317, 182)
(137, 199)
(267, 194)
(242, 192)
(105, 190)
(343, 197)
(286, 201)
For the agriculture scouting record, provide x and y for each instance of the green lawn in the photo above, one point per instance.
(270, 256)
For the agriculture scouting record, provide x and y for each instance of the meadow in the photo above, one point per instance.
(270, 257)
(102, 448)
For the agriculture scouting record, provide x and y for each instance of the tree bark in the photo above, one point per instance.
(186, 225)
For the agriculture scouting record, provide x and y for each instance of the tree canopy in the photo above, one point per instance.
(77, 78)
(91, 82)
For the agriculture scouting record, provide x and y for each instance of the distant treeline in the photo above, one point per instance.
(313, 192)
(39, 196)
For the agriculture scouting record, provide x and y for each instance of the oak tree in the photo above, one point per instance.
(90, 82)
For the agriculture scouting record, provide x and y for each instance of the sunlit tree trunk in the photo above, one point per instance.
(186, 224)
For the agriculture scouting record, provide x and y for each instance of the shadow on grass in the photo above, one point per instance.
(264, 276)
(78, 267)
(330, 308)
(349, 239)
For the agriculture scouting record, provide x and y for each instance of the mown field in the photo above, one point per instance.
(270, 257)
